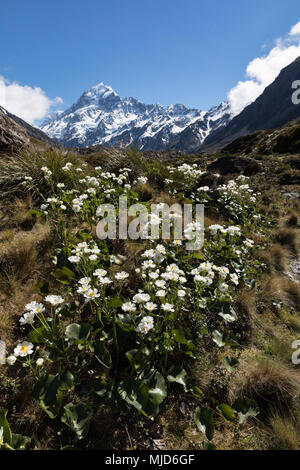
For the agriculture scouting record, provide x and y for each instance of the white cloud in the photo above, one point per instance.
(263, 70)
(295, 30)
(30, 104)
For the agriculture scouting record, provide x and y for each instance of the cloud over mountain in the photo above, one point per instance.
(30, 104)
(262, 71)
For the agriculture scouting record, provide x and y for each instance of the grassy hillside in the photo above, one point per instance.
(211, 364)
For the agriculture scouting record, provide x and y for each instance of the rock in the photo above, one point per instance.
(295, 270)
(231, 164)
(12, 136)
(292, 195)
(210, 180)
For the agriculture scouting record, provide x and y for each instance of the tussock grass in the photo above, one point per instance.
(270, 382)
(292, 220)
(276, 257)
(14, 169)
(283, 289)
(287, 237)
(284, 433)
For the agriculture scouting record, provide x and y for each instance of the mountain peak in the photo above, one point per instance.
(101, 117)
(101, 89)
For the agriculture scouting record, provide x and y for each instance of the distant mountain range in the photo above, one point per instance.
(101, 117)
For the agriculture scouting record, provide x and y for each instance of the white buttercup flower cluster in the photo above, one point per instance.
(232, 230)
(205, 274)
(31, 310)
(47, 172)
(189, 170)
(145, 325)
(84, 250)
(85, 288)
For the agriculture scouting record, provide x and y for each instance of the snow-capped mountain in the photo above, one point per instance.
(101, 117)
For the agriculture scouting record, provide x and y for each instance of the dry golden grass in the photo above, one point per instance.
(287, 237)
(291, 320)
(292, 220)
(145, 191)
(281, 288)
(269, 381)
(276, 257)
(284, 433)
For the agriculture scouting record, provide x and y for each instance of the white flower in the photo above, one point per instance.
(83, 289)
(146, 324)
(160, 293)
(148, 254)
(153, 275)
(129, 307)
(150, 306)
(143, 179)
(223, 287)
(54, 299)
(76, 208)
(100, 273)
(249, 243)
(60, 185)
(181, 293)
(234, 278)
(177, 242)
(173, 268)
(67, 166)
(223, 272)
(148, 264)
(93, 257)
(35, 307)
(74, 259)
(167, 307)
(40, 361)
(206, 266)
(84, 280)
(141, 297)
(104, 280)
(121, 276)
(160, 249)
(232, 230)
(28, 318)
(52, 200)
(215, 228)
(195, 271)
(11, 360)
(23, 349)
(91, 294)
(160, 283)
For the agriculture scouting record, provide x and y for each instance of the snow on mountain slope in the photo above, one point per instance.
(101, 117)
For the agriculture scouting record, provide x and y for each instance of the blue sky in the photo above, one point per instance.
(166, 51)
